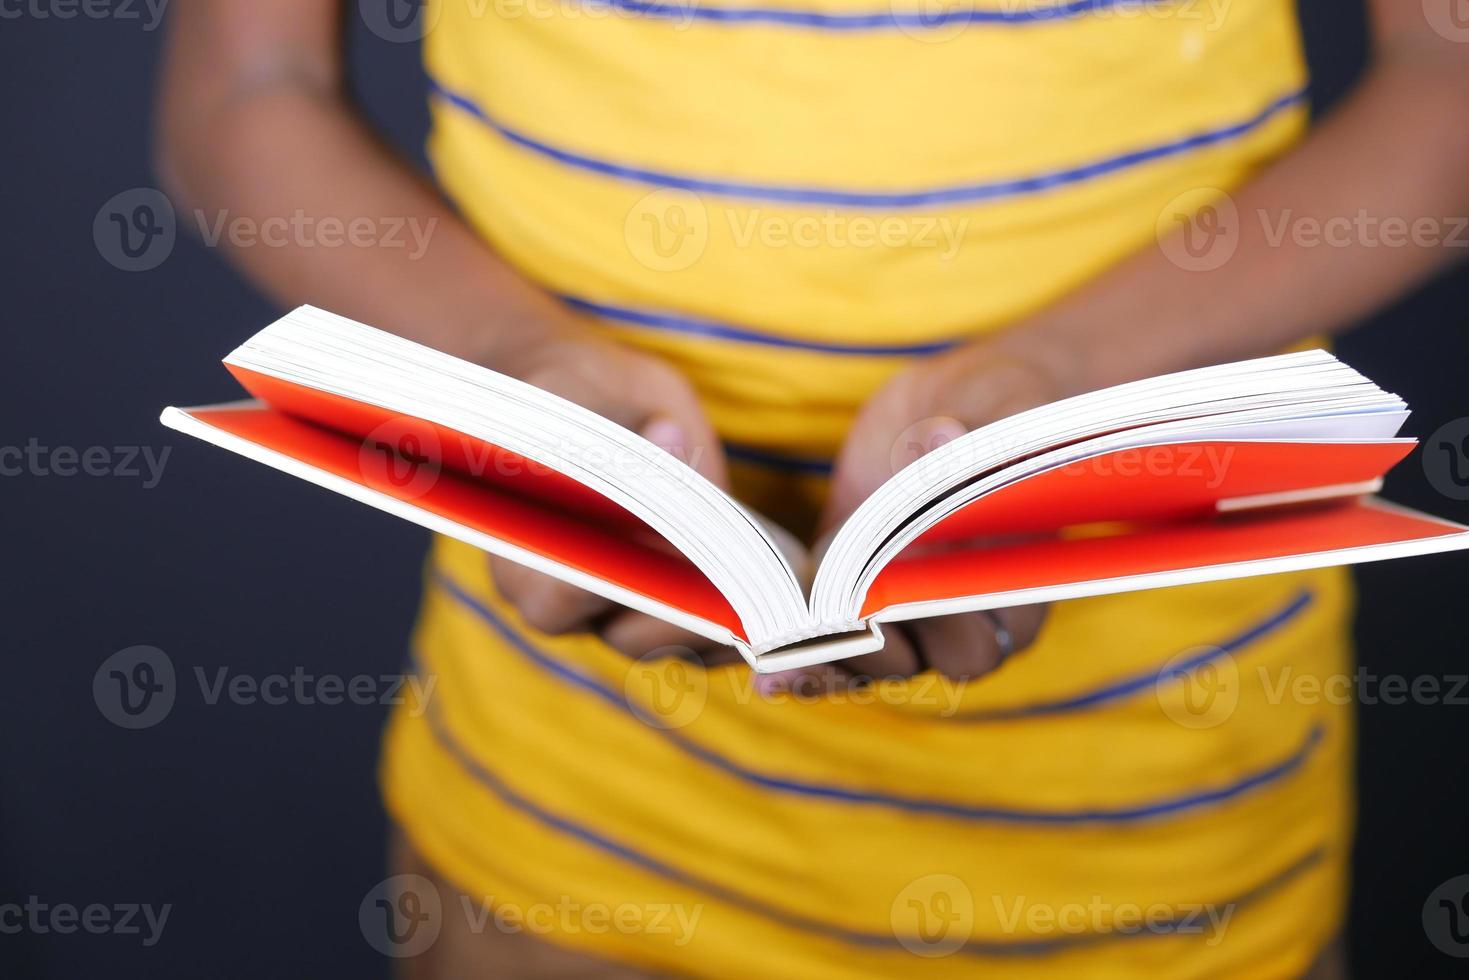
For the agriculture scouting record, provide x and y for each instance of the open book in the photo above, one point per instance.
(1222, 472)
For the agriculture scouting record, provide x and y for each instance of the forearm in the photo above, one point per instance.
(1395, 150)
(281, 144)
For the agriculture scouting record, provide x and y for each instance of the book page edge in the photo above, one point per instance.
(180, 420)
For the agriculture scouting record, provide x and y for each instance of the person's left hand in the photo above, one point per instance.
(928, 404)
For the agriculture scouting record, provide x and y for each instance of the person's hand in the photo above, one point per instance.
(641, 393)
(926, 405)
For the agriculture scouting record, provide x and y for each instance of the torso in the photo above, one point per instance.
(659, 173)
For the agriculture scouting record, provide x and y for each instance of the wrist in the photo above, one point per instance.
(1031, 360)
(1077, 353)
(515, 334)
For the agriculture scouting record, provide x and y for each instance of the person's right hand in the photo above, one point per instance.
(650, 397)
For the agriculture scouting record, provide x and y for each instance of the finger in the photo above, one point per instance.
(980, 384)
(967, 645)
(1024, 624)
(676, 423)
(880, 451)
(638, 634)
(874, 448)
(803, 683)
(921, 409)
(546, 604)
(897, 658)
(634, 390)
(921, 438)
(889, 435)
(961, 647)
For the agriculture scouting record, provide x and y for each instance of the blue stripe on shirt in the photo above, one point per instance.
(905, 20)
(809, 465)
(1150, 678)
(890, 200)
(600, 841)
(1148, 810)
(701, 327)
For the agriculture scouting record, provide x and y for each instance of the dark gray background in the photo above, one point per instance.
(261, 825)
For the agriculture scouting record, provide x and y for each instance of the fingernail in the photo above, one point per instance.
(768, 684)
(940, 432)
(665, 433)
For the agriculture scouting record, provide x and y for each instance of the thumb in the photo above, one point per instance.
(878, 448)
(920, 439)
(692, 443)
(802, 684)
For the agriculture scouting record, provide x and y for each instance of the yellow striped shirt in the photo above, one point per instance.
(789, 201)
